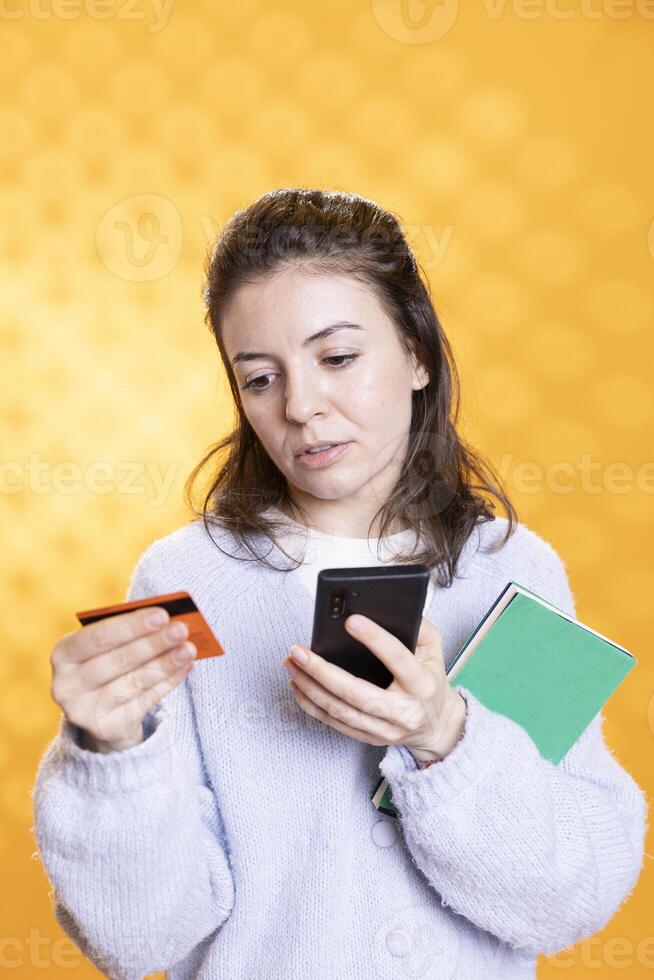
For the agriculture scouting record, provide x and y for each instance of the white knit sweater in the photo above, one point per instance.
(239, 841)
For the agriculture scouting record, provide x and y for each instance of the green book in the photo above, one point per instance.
(533, 663)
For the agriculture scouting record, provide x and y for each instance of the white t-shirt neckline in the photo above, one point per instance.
(338, 537)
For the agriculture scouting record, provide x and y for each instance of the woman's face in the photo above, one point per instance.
(353, 386)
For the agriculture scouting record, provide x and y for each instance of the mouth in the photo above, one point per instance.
(323, 456)
(319, 449)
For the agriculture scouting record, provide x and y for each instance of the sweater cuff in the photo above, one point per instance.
(116, 772)
(415, 789)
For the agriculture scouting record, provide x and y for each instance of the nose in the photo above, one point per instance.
(304, 399)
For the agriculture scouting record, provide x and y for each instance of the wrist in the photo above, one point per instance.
(452, 731)
(91, 744)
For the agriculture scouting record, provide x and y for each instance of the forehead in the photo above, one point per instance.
(293, 304)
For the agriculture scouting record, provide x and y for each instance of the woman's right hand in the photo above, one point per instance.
(108, 674)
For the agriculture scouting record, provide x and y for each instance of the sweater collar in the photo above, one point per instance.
(285, 597)
(297, 605)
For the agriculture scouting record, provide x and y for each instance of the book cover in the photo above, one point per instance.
(532, 662)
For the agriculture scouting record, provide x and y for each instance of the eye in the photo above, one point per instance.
(346, 358)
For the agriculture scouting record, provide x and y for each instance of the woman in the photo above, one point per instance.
(211, 820)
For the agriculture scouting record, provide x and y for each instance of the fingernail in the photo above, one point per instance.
(355, 623)
(176, 631)
(182, 654)
(298, 654)
(157, 617)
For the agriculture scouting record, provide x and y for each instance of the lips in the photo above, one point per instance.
(315, 445)
(324, 457)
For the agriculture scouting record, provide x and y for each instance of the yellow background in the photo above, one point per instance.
(515, 143)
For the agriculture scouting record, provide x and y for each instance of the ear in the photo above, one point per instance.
(420, 373)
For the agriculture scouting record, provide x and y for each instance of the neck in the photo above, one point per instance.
(342, 524)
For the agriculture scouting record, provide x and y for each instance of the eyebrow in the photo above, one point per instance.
(320, 335)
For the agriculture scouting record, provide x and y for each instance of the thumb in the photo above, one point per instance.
(429, 649)
(429, 636)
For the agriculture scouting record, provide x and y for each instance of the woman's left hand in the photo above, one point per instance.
(419, 709)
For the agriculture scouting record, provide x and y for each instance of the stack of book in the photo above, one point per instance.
(538, 666)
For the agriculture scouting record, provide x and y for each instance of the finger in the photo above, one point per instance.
(341, 709)
(429, 634)
(316, 712)
(393, 654)
(117, 709)
(429, 650)
(356, 691)
(114, 631)
(106, 667)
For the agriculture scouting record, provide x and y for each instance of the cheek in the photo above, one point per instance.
(269, 432)
(260, 422)
(376, 395)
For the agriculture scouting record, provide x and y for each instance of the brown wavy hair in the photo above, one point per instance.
(440, 491)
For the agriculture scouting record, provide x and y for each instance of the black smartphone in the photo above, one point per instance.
(391, 595)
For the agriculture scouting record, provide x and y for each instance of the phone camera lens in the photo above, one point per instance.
(336, 603)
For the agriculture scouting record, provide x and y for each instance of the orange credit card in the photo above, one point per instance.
(179, 605)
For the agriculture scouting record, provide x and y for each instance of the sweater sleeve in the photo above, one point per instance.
(538, 854)
(133, 842)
